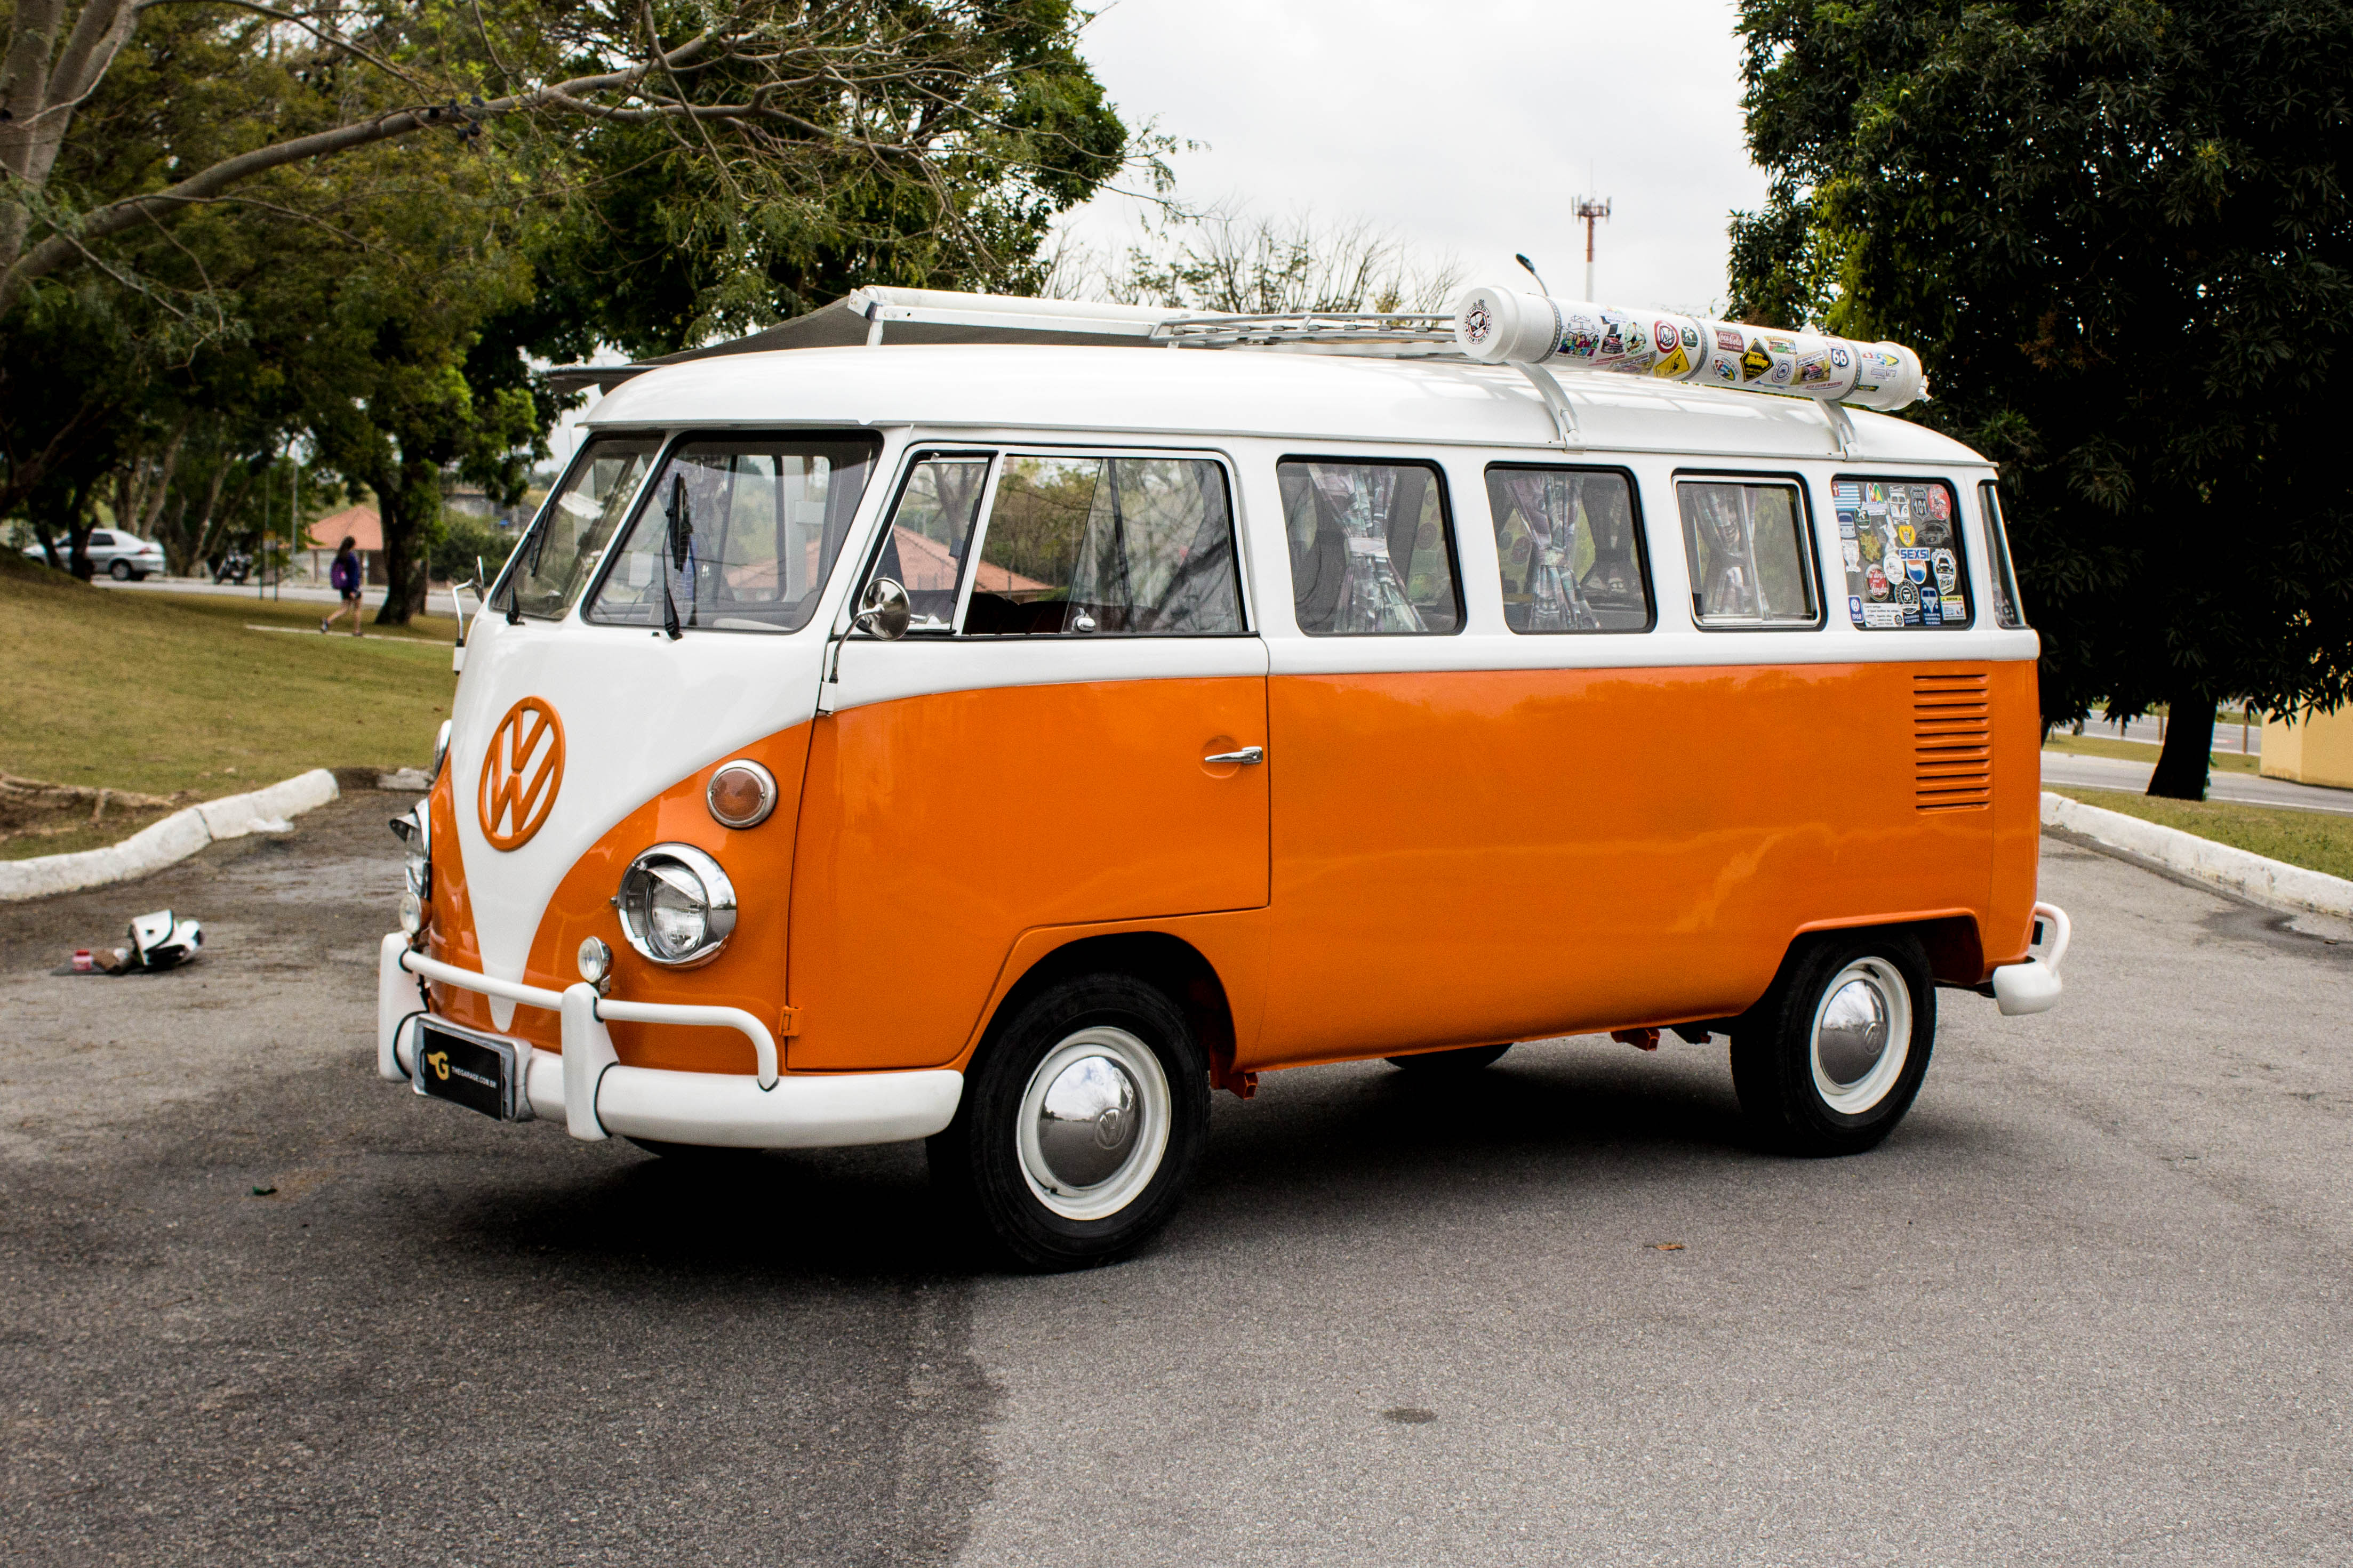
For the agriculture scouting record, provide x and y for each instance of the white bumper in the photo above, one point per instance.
(2033, 986)
(596, 1096)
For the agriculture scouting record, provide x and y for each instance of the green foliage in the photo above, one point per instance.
(947, 176)
(465, 540)
(2119, 234)
(375, 310)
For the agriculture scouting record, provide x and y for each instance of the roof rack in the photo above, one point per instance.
(1323, 329)
(873, 316)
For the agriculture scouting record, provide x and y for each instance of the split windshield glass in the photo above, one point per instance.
(560, 553)
(736, 534)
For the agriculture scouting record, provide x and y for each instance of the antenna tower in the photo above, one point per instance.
(1592, 211)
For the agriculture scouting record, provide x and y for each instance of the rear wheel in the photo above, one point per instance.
(120, 571)
(1081, 1122)
(1832, 1058)
(1449, 1064)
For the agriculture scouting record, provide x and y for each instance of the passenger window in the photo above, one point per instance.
(2008, 609)
(1901, 541)
(1107, 546)
(1371, 549)
(736, 534)
(1570, 549)
(929, 530)
(1746, 540)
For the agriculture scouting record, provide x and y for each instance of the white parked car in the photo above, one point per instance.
(125, 557)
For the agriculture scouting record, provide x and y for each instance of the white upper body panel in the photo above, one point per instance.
(1135, 394)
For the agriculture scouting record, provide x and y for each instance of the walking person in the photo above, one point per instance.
(346, 576)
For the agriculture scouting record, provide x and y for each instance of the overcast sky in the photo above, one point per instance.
(1468, 127)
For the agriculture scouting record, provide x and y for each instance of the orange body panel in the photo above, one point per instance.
(936, 830)
(750, 971)
(1450, 857)
(2017, 814)
(1467, 857)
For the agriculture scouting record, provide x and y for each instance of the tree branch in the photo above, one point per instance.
(208, 184)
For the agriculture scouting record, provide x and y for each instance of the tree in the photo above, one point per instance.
(359, 222)
(2119, 234)
(1230, 261)
(797, 114)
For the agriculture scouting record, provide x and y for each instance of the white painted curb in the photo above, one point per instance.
(2248, 875)
(175, 837)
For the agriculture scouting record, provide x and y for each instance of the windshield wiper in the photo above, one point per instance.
(681, 535)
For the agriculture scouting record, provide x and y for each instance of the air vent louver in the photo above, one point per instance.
(1952, 741)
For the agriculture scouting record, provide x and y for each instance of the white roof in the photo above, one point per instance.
(1273, 393)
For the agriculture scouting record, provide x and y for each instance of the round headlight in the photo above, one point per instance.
(414, 829)
(596, 961)
(412, 914)
(677, 905)
(742, 795)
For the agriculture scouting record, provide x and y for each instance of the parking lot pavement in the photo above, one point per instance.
(2087, 1306)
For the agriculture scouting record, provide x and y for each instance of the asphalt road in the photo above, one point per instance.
(2062, 769)
(2088, 1306)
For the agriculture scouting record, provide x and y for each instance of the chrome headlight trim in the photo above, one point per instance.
(684, 873)
(414, 829)
(743, 767)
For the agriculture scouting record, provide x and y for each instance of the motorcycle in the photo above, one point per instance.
(234, 566)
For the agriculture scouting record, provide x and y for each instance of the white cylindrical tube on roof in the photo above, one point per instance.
(1499, 326)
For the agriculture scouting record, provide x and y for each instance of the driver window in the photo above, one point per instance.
(930, 531)
(1106, 547)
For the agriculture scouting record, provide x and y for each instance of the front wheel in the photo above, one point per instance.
(1831, 1060)
(1081, 1122)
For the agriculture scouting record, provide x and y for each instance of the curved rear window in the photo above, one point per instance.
(736, 533)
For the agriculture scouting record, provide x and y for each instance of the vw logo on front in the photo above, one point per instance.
(521, 774)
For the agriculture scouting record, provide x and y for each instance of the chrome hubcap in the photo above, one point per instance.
(1086, 1123)
(1861, 1036)
(1094, 1123)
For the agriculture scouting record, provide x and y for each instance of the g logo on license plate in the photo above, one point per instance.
(521, 774)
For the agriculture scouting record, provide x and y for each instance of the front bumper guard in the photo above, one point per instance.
(598, 1096)
(2033, 986)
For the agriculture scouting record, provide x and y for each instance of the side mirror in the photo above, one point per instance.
(883, 610)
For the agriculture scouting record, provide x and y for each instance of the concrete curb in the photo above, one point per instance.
(2250, 876)
(175, 837)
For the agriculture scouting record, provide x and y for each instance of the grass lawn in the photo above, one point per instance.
(2316, 840)
(2141, 751)
(172, 695)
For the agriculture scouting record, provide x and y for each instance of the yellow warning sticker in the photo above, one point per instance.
(1755, 362)
(1675, 363)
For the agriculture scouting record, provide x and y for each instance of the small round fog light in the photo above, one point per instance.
(595, 962)
(412, 913)
(742, 795)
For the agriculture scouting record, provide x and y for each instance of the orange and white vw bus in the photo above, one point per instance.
(1006, 738)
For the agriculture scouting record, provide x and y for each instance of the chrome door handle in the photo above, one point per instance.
(1247, 757)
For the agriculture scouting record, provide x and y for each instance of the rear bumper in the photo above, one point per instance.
(596, 1096)
(2033, 986)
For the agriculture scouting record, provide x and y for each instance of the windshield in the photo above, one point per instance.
(560, 553)
(737, 534)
